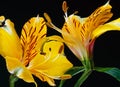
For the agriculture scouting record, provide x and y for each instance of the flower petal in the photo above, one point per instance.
(15, 67)
(113, 25)
(9, 40)
(73, 35)
(32, 35)
(53, 65)
(72, 28)
(97, 18)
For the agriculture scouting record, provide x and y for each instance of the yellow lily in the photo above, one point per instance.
(79, 34)
(33, 53)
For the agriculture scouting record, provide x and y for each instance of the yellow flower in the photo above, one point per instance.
(33, 53)
(79, 34)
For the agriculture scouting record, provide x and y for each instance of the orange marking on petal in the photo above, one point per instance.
(32, 31)
(24, 32)
(41, 28)
(61, 49)
(43, 35)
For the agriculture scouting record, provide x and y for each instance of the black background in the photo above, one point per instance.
(106, 49)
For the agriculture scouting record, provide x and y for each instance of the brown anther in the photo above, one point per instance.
(2, 21)
(64, 6)
(67, 76)
(76, 12)
(47, 18)
(2, 18)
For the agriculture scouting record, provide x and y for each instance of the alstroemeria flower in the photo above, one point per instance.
(33, 53)
(79, 34)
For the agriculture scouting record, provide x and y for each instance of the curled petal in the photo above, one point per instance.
(98, 17)
(51, 63)
(113, 25)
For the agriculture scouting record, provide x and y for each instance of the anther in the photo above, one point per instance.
(2, 21)
(47, 18)
(64, 6)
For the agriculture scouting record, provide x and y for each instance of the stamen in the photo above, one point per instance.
(56, 28)
(47, 17)
(64, 6)
(2, 21)
(2, 18)
(76, 12)
(65, 77)
(50, 24)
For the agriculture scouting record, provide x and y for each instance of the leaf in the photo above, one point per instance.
(73, 71)
(112, 71)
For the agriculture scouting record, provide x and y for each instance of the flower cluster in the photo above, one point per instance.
(34, 53)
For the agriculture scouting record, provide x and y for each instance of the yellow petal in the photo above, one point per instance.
(53, 48)
(53, 65)
(113, 25)
(81, 28)
(9, 40)
(32, 35)
(74, 36)
(72, 28)
(53, 57)
(15, 67)
(57, 67)
(33, 67)
(97, 18)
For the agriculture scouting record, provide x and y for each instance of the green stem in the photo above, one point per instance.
(61, 83)
(12, 80)
(83, 78)
(89, 66)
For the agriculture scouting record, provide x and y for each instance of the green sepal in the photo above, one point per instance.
(112, 71)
